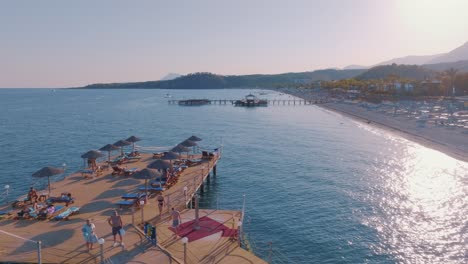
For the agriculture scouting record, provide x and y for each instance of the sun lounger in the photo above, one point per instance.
(87, 171)
(133, 196)
(5, 214)
(119, 160)
(63, 199)
(157, 183)
(133, 158)
(58, 209)
(129, 172)
(131, 200)
(67, 213)
(150, 189)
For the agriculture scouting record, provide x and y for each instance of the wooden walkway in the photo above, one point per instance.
(62, 241)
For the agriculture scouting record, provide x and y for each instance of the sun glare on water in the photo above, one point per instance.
(424, 207)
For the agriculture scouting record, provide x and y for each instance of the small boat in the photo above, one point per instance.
(251, 100)
(167, 96)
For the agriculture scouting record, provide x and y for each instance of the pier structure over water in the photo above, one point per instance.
(191, 102)
(205, 236)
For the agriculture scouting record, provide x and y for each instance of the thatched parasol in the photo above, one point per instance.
(109, 148)
(47, 172)
(133, 139)
(121, 144)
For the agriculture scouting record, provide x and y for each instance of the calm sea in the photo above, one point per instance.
(320, 187)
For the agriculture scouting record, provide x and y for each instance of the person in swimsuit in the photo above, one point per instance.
(32, 194)
(160, 199)
(115, 221)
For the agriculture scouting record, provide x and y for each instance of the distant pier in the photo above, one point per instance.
(189, 102)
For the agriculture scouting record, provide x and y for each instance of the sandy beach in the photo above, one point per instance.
(450, 140)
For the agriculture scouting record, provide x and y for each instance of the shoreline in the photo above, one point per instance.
(440, 139)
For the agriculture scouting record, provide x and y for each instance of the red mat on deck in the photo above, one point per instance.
(208, 227)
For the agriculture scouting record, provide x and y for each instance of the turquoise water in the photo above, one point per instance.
(321, 187)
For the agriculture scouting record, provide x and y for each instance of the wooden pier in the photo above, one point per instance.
(62, 242)
(279, 102)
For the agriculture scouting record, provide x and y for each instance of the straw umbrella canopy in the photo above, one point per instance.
(47, 172)
(188, 143)
(133, 139)
(170, 156)
(109, 148)
(194, 138)
(121, 144)
(159, 165)
(92, 154)
(179, 149)
(146, 174)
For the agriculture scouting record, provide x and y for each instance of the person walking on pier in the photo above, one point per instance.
(176, 220)
(160, 199)
(115, 221)
(89, 234)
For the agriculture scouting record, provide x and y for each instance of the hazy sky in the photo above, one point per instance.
(73, 43)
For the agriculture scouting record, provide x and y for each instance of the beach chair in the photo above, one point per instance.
(157, 155)
(130, 200)
(133, 158)
(87, 173)
(65, 198)
(129, 172)
(67, 213)
(150, 189)
(58, 209)
(157, 183)
(5, 214)
(128, 196)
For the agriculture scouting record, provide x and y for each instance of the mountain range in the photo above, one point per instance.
(410, 67)
(458, 54)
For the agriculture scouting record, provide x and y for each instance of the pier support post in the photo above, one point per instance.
(39, 253)
(101, 246)
(185, 195)
(208, 178)
(185, 241)
(142, 214)
(197, 219)
(214, 170)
